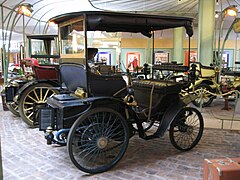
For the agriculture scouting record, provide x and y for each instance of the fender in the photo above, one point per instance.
(89, 103)
(204, 81)
(30, 83)
(236, 84)
(168, 117)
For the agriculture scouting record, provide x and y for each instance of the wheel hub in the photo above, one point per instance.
(102, 142)
(183, 128)
(189, 130)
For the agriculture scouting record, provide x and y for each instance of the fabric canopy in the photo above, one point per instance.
(126, 22)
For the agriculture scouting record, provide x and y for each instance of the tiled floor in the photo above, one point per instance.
(26, 155)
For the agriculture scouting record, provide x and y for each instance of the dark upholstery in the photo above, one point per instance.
(73, 75)
(143, 89)
(46, 72)
(106, 85)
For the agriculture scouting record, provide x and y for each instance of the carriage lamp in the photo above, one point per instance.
(25, 9)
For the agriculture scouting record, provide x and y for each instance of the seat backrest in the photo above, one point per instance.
(73, 75)
(46, 72)
(106, 85)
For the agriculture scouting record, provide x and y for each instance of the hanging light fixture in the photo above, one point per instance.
(231, 11)
(25, 9)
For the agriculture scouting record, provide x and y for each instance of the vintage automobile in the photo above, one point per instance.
(208, 85)
(24, 94)
(101, 113)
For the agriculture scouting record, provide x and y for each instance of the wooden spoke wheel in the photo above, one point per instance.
(13, 108)
(206, 97)
(33, 98)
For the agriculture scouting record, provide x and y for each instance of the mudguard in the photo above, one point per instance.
(236, 84)
(168, 117)
(30, 83)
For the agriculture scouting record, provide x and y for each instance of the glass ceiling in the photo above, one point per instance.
(45, 9)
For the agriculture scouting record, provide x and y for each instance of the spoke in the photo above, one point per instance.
(36, 94)
(88, 149)
(29, 103)
(88, 152)
(32, 98)
(107, 125)
(194, 121)
(179, 137)
(30, 115)
(28, 109)
(44, 98)
(41, 93)
(180, 141)
(93, 154)
(112, 131)
(115, 134)
(109, 129)
(85, 144)
(103, 125)
(189, 141)
(97, 155)
(192, 137)
(93, 124)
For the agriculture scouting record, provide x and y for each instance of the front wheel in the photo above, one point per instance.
(98, 140)
(206, 97)
(186, 129)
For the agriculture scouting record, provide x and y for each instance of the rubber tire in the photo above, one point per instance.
(29, 122)
(207, 87)
(176, 120)
(12, 109)
(238, 88)
(82, 119)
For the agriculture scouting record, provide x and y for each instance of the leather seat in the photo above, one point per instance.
(75, 75)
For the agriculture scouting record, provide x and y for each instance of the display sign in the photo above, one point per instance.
(104, 58)
(133, 60)
(161, 57)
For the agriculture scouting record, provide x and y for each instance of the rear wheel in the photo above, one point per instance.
(13, 107)
(186, 129)
(98, 140)
(206, 97)
(32, 98)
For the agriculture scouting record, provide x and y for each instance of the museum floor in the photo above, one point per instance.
(25, 154)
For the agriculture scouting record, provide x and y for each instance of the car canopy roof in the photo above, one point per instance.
(42, 36)
(127, 22)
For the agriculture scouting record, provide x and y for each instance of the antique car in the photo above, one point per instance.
(24, 94)
(208, 85)
(101, 113)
